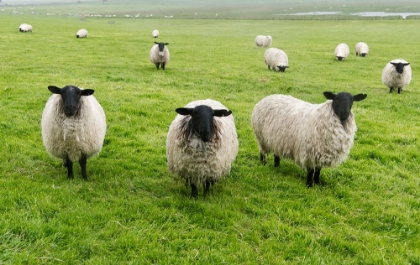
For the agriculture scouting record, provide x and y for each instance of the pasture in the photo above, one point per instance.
(131, 211)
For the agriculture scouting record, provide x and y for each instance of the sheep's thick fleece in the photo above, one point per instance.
(82, 134)
(310, 134)
(392, 79)
(274, 57)
(189, 157)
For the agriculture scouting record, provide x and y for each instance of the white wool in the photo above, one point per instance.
(188, 157)
(310, 134)
(25, 28)
(342, 50)
(263, 41)
(159, 57)
(155, 33)
(82, 134)
(392, 79)
(274, 57)
(360, 48)
(82, 33)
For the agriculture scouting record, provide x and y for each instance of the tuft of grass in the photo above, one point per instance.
(132, 211)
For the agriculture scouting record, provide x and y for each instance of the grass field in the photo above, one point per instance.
(131, 211)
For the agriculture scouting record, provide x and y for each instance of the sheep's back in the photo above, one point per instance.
(310, 134)
(342, 50)
(75, 136)
(275, 57)
(189, 157)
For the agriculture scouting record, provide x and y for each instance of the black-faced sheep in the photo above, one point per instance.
(202, 143)
(313, 135)
(341, 51)
(396, 75)
(361, 49)
(276, 59)
(73, 126)
(159, 54)
(82, 33)
(155, 33)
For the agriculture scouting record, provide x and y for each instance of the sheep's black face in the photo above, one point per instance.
(282, 68)
(363, 54)
(342, 103)
(399, 67)
(70, 96)
(202, 119)
(339, 58)
(161, 46)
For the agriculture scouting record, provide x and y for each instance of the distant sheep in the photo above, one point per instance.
(263, 41)
(159, 54)
(341, 51)
(73, 126)
(25, 28)
(361, 49)
(82, 33)
(155, 33)
(276, 59)
(202, 143)
(313, 135)
(396, 74)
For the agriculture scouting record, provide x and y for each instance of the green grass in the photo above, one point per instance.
(131, 211)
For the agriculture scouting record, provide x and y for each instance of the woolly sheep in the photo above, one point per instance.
(202, 143)
(155, 33)
(396, 74)
(264, 41)
(82, 33)
(341, 51)
(361, 49)
(25, 28)
(313, 135)
(73, 126)
(276, 59)
(159, 54)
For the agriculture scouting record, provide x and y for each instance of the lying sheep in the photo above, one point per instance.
(159, 54)
(396, 74)
(263, 41)
(82, 33)
(313, 135)
(25, 28)
(276, 59)
(341, 51)
(155, 33)
(361, 49)
(73, 126)
(202, 143)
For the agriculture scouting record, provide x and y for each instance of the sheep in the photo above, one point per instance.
(201, 144)
(361, 49)
(313, 135)
(25, 28)
(341, 51)
(396, 74)
(82, 33)
(264, 41)
(155, 33)
(276, 59)
(73, 126)
(159, 54)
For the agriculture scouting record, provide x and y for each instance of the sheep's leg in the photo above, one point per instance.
(316, 175)
(207, 187)
(276, 161)
(83, 162)
(163, 66)
(157, 65)
(194, 190)
(309, 179)
(390, 89)
(262, 158)
(399, 90)
(69, 164)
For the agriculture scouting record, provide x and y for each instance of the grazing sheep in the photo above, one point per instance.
(341, 51)
(276, 59)
(202, 143)
(25, 28)
(159, 54)
(313, 135)
(155, 33)
(361, 49)
(264, 41)
(73, 126)
(82, 33)
(396, 74)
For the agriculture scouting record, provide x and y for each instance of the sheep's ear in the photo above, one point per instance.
(393, 63)
(329, 95)
(156, 42)
(221, 112)
(166, 43)
(359, 97)
(184, 111)
(405, 64)
(54, 89)
(87, 92)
